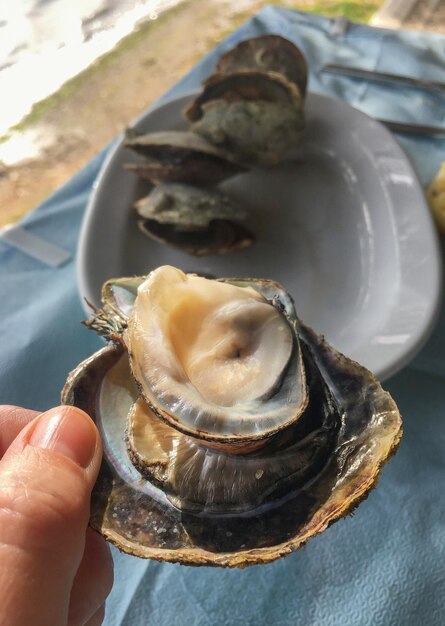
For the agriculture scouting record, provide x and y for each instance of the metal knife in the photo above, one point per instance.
(356, 72)
(417, 129)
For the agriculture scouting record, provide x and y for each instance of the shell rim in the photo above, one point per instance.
(193, 111)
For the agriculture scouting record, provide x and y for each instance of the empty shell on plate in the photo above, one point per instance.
(253, 104)
(250, 112)
(198, 221)
(232, 432)
(267, 53)
(255, 116)
(179, 156)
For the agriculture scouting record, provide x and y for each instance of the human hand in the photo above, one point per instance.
(54, 570)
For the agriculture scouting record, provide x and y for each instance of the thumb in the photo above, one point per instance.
(46, 477)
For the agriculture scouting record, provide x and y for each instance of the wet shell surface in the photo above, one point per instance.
(232, 432)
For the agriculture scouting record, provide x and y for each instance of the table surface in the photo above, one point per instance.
(385, 565)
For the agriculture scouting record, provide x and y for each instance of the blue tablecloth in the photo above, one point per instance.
(385, 565)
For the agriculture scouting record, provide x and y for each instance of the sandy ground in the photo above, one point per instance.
(92, 108)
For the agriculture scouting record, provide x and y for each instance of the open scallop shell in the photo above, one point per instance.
(308, 476)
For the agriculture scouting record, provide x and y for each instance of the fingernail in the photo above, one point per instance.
(68, 431)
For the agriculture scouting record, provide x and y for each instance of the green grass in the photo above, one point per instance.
(353, 11)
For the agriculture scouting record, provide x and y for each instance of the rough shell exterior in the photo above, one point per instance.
(268, 53)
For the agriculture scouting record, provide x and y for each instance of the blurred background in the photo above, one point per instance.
(74, 73)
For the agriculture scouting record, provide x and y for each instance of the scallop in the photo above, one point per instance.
(196, 220)
(179, 156)
(232, 432)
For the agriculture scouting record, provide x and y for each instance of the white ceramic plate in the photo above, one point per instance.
(343, 225)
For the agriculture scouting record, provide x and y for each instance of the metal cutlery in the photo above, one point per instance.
(356, 72)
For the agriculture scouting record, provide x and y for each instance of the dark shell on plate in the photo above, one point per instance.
(180, 156)
(256, 132)
(255, 116)
(198, 221)
(268, 53)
